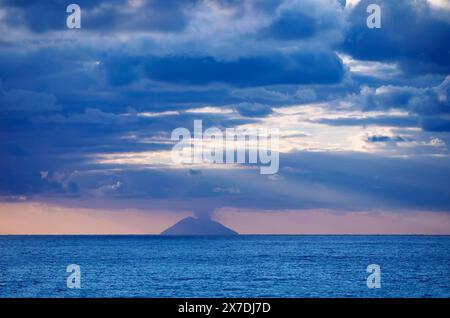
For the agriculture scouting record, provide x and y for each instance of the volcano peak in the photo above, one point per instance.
(198, 227)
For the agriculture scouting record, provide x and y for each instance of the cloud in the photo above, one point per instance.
(293, 25)
(253, 109)
(90, 116)
(350, 103)
(342, 182)
(380, 120)
(296, 68)
(435, 124)
(123, 15)
(430, 104)
(381, 138)
(418, 41)
(24, 100)
(301, 20)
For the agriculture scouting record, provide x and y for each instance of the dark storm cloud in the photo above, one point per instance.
(428, 106)
(302, 20)
(296, 68)
(436, 124)
(391, 181)
(411, 34)
(253, 109)
(382, 138)
(104, 16)
(66, 142)
(24, 100)
(424, 101)
(293, 25)
(68, 97)
(342, 182)
(391, 121)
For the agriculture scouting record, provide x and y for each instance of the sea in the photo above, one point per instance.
(238, 266)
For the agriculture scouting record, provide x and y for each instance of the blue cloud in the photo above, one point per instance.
(253, 109)
(418, 40)
(427, 106)
(437, 124)
(389, 121)
(382, 138)
(45, 16)
(64, 100)
(297, 68)
(293, 26)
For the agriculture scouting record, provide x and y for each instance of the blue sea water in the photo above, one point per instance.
(241, 266)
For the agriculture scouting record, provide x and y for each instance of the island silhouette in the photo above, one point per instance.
(197, 227)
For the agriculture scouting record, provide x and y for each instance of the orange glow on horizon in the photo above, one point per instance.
(40, 218)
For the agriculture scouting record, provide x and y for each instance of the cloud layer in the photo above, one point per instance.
(86, 115)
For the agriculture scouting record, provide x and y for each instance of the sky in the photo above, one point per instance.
(86, 115)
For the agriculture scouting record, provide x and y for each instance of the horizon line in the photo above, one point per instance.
(230, 236)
